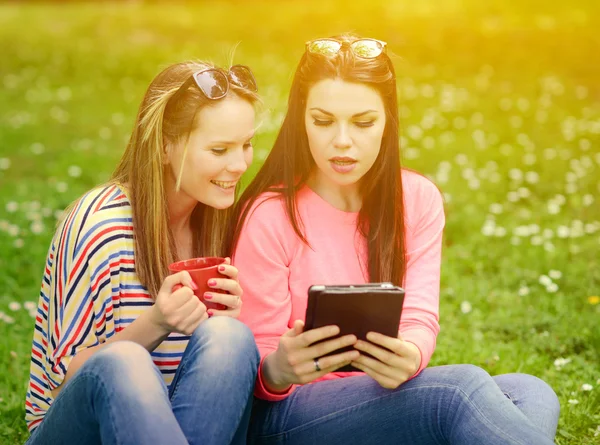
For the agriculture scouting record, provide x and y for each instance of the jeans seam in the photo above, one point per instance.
(328, 416)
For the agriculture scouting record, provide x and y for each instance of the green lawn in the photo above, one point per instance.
(500, 105)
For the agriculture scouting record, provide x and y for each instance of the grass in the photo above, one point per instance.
(500, 105)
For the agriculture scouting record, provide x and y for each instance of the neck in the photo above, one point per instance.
(181, 206)
(345, 198)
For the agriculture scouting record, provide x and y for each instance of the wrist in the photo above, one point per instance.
(154, 318)
(272, 377)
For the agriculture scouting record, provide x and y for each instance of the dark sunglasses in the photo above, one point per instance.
(363, 48)
(214, 82)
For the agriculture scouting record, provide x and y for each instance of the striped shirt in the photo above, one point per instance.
(90, 291)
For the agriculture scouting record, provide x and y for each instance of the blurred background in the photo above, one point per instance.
(499, 105)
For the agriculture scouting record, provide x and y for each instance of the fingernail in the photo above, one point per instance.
(208, 296)
(210, 313)
(194, 286)
(212, 282)
(221, 268)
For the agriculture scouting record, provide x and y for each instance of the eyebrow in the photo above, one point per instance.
(354, 115)
(233, 142)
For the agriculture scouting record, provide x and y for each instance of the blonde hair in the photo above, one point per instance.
(142, 169)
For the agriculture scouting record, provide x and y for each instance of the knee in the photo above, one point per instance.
(226, 334)
(540, 391)
(466, 378)
(120, 358)
(125, 368)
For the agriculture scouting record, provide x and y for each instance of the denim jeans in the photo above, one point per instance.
(457, 404)
(119, 397)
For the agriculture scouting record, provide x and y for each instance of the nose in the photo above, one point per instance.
(342, 138)
(238, 162)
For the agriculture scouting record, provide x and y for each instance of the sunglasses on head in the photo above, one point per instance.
(214, 82)
(363, 48)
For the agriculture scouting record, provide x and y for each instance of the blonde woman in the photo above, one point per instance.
(122, 352)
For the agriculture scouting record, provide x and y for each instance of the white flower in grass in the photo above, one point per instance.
(532, 177)
(4, 163)
(500, 232)
(537, 240)
(37, 148)
(560, 362)
(512, 196)
(586, 387)
(523, 291)
(588, 200)
(465, 307)
(515, 241)
(549, 247)
(29, 305)
(555, 274)
(12, 206)
(573, 401)
(14, 306)
(570, 189)
(563, 232)
(37, 227)
(524, 192)
(553, 208)
(548, 234)
(18, 243)
(597, 432)
(61, 187)
(545, 280)
(74, 171)
(6, 318)
(529, 159)
(515, 174)
(488, 228)
(552, 288)
(13, 230)
(496, 208)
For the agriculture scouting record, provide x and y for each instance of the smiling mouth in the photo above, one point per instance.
(224, 184)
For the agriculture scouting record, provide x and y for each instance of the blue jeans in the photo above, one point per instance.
(119, 397)
(457, 404)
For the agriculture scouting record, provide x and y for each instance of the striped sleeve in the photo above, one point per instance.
(77, 305)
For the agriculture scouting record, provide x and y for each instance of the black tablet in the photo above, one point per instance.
(356, 309)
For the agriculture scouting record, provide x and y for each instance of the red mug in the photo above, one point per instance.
(201, 270)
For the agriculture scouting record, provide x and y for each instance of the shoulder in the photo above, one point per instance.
(422, 198)
(100, 215)
(269, 206)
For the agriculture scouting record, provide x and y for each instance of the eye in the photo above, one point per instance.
(321, 123)
(218, 151)
(364, 124)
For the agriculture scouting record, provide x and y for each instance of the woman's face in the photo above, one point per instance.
(344, 125)
(219, 151)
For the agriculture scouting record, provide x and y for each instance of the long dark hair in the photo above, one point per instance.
(289, 164)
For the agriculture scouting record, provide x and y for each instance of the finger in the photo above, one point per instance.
(187, 307)
(231, 301)
(384, 381)
(314, 335)
(396, 345)
(326, 347)
(182, 277)
(194, 326)
(378, 366)
(383, 355)
(228, 270)
(181, 296)
(233, 313)
(226, 284)
(324, 371)
(227, 260)
(189, 323)
(330, 362)
(296, 329)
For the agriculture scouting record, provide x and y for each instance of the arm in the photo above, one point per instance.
(262, 257)
(419, 324)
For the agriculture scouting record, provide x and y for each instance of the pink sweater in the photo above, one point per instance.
(276, 268)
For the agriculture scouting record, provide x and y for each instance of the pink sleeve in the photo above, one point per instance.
(425, 224)
(262, 257)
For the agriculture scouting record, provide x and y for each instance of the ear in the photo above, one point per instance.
(167, 152)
